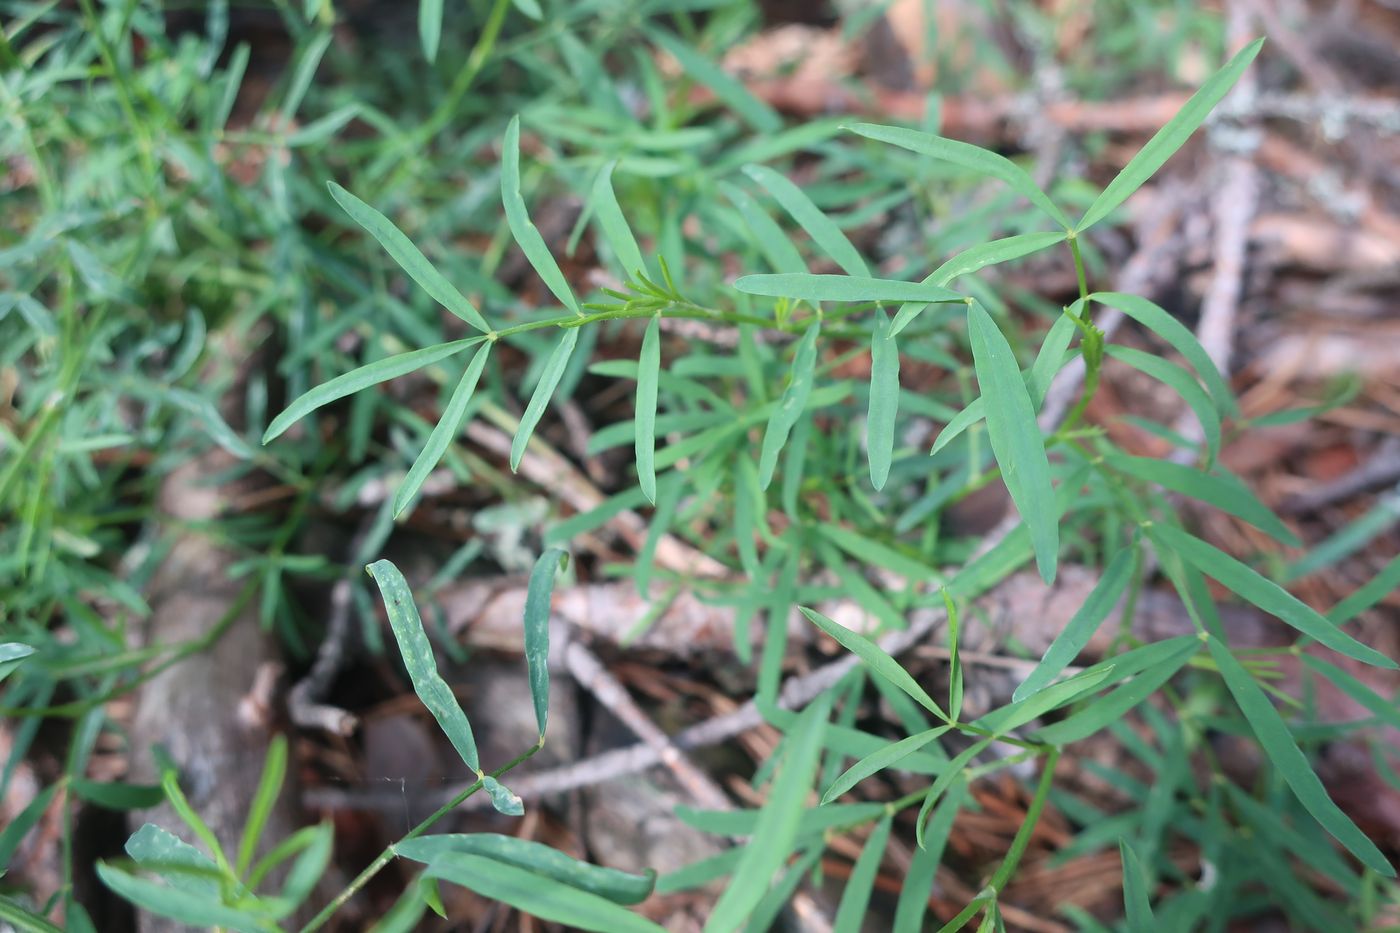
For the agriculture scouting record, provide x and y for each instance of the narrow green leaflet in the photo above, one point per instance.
(1384, 709)
(877, 761)
(503, 798)
(12, 655)
(544, 391)
(821, 228)
(530, 8)
(430, 27)
(1290, 761)
(884, 400)
(372, 374)
(20, 825)
(1224, 492)
(1169, 138)
(790, 406)
(776, 832)
(1246, 583)
(418, 660)
(918, 881)
(968, 156)
(184, 866)
(538, 895)
(1019, 712)
(765, 232)
(971, 260)
(951, 774)
(538, 597)
(725, 86)
(193, 909)
(615, 228)
(1184, 384)
(810, 286)
(264, 799)
(1380, 586)
(23, 919)
(876, 659)
(408, 256)
(1076, 634)
(620, 887)
(117, 795)
(1016, 440)
(856, 897)
(443, 433)
(1179, 337)
(648, 374)
(1135, 902)
(1157, 664)
(526, 234)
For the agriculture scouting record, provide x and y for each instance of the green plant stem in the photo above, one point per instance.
(1023, 835)
(388, 854)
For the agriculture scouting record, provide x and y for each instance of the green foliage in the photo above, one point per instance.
(123, 259)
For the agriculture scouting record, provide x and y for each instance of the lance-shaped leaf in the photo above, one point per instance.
(968, 156)
(776, 833)
(192, 909)
(538, 597)
(1135, 903)
(544, 390)
(877, 659)
(790, 406)
(1292, 764)
(974, 258)
(614, 226)
(725, 86)
(1247, 583)
(1016, 441)
(526, 234)
(648, 375)
(850, 915)
(447, 428)
(620, 887)
(418, 660)
(1184, 384)
(1179, 337)
(1076, 634)
(408, 256)
(537, 894)
(886, 757)
(1224, 492)
(765, 232)
(809, 286)
(821, 228)
(362, 378)
(884, 400)
(430, 27)
(1169, 138)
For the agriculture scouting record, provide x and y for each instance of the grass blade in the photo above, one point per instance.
(879, 760)
(1135, 902)
(538, 597)
(1169, 138)
(884, 400)
(876, 659)
(821, 228)
(544, 391)
(968, 156)
(418, 660)
(1184, 384)
(620, 887)
(430, 27)
(725, 86)
(812, 287)
(1224, 492)
(776, 831)
(349, 383)
(614, 226)
(1179, 337)
(401, 249)
(648, 374)
(1076, 634)
(1246, 583)
(974, 258)
(1292, 764)
(536, 894)
(1016, 441)
(526, 234)
(443, 433)
(856, 898)
(790, 406)
(269, 786)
